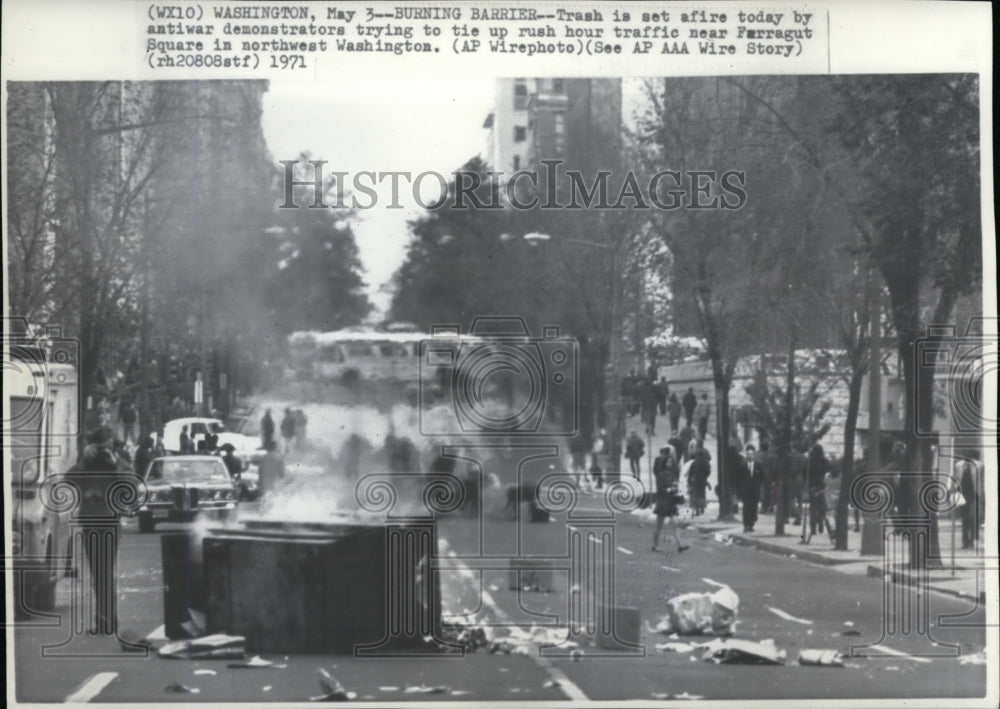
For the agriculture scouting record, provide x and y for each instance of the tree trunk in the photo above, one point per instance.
(847, 471)
(722, 382)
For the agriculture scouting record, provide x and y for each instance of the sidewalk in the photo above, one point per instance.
(966, 579)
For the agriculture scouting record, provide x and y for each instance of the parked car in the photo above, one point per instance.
(180, 487)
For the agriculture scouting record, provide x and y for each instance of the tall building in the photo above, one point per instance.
(577, 121)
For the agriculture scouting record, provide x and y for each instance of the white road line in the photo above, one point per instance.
(91, 688)
(623, 550)
(565, 683)
(897, 653)
(781, 614)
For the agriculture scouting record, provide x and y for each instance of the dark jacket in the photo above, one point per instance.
(634, 447)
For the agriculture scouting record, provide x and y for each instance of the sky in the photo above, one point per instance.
(380, 126)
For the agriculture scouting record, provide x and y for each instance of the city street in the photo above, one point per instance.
(796, 604)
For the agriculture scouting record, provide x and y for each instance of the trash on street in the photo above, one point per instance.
(333, 690)
(674, 647)
(697, 613)
(218, 646)
(256, 661)
(824, 658)
(178, 688)
(743, 652)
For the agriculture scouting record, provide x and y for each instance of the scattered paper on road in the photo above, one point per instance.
(788, 616)
(824, 658)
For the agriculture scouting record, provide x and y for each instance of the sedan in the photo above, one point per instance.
(180, 487)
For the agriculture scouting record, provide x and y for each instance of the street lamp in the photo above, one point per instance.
(613, 404)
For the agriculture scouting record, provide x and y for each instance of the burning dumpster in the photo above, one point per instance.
(311, 588)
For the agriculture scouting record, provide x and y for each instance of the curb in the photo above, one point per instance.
(904, 578)
(814, 557)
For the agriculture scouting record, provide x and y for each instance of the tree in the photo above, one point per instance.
(923, 234)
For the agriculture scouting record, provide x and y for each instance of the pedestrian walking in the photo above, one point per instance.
(648, 399)
(288, 429)
(831, 483)
(689, 403)
(702, 411)
(674, 414)
(144, 455)
(634, 450)
(233, 463)
(698, 474)
(970, 510)
(99, 470)
(753, 483)
(128, 417)
(666, 461)
(662, 394)
(667, 499)
(266, 430)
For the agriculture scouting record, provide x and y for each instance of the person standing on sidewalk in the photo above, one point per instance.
(667, 500)
(698, 473)
(674, 414)
(634, 450)
(702, 412)
(753, 482)
(690, 403)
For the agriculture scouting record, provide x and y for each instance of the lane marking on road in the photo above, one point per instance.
(623, 550)
(563, 682)
(91, 688)
(898, 653)
(786, 616)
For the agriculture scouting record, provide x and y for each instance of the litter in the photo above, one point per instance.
(850, 633)
(849, 623)
(205, 672)
(130, 641)
(424, 689)
(333, 690)
(743, 652)
(266, 688)
(458, 692)
(674, 647)
(469, 637)
(577, 655)
(195, 625)
(550, 683)
(977, 658)
(696, 613)
(218, 646)
(256, 661)
(824, 658)
(178, 688)
(388, 689)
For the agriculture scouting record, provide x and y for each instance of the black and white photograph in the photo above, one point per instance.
(603, 381)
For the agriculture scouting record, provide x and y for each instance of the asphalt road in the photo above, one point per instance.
(795, 604)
